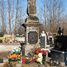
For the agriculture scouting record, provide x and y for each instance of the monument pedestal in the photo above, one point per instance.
(32, 35)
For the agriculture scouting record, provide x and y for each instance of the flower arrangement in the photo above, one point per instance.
(15, 54)
(14, 57)
(27, 60)
(35, 55)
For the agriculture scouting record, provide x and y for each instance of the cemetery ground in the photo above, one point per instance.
(4, 51)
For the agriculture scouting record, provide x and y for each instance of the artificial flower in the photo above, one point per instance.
(23, 60)
(39, 59)
(37, 51)
(45, 52)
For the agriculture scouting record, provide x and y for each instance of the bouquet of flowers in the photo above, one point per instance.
(30, 58)
(15, 54)
(37, 55)
(14, 57)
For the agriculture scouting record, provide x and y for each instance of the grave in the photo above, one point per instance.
(32, 27)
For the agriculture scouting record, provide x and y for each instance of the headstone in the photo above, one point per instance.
(43, 40)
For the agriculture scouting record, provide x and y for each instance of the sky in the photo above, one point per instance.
(65, 5)
(39, 4)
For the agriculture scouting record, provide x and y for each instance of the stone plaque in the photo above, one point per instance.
(31, 7)
(32, 37)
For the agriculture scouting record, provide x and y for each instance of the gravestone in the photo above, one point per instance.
(32, 27)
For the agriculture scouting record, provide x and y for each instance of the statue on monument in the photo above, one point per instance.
(31, 11)
(31, 7)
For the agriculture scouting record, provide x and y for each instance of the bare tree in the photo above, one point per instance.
(57, 14)
(9, 18)
(2, 17)
(53, 13)
(16, 17)
(10, 13)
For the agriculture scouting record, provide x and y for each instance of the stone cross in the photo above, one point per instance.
(31, 7)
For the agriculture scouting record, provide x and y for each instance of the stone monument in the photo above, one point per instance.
(32, 26)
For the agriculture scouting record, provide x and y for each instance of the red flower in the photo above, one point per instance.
(23, 60)
(37, 51)
(45, 51)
